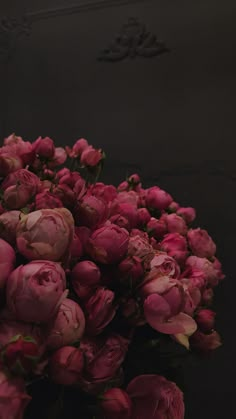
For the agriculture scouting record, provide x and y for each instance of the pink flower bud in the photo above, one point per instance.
(176, 246)
(158, 199)
(156, 228)
(67, 327)
(163, 313)
(46, 200)
(188, 214)
(13, 397)
(116, 404)
(85, 277)
(120, 221)
(207, 296)
(123, 186)
(21, 355)
(58, 158)
(8, 224)
(77, 149)
(7, 262)
(201, 243)
(140, 247)
(155, 397)
(174, 206)
(143, 216)
(99, 311)
(66, 365)
(131, 268)
(174, 223)
(45, 234)
(44, 147)
(16, 197)
(205, 319)
(205, 343)
(108, 244)
(91, 157)
(9, 163)
(90, 212)
(35, 291)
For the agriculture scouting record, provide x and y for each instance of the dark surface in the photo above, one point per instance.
(170, 117)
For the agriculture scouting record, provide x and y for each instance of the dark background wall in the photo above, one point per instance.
(170, 117)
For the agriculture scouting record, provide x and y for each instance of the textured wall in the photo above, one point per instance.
(171, 117)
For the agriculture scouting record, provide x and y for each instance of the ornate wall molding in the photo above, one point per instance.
(134, 40)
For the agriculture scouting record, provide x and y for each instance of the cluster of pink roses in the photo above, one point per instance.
(76, 259)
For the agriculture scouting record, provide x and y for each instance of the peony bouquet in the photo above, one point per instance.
(103, 289)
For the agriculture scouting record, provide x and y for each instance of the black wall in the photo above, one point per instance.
(170, 117)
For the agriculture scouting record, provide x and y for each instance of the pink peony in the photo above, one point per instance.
(174, 223)
(90, 212)
(20, 148)
(196, 277)
(164, 313)
(163, 264)
(46, 200)
(158, 199)
(174, 206)
(83, 233)
(36, 290)
(77, 149)
(91, 157)
(201, 243)
(45, 234)
(58, 158)
(99, 311)
(205, 343)
(208, 269)
(130, 213)
(188, 214)
(13, 398)
(9, 329)
(69, 178)
(140, 247)
(207, 296)
(176, 246)
(155, 397)
(24, 178)
(116, 404)
(131, 268)
(123, 186)
(9, 163)
(205, 319)
(21, 355)
(192, 296)
(108, 244)
(143, 216)
(66, 195)
(130, 197)
(120, 221)
(7, 261)
(85, 277)
(106, 192)
(16, 197)
(66, 365)
(8, 224)
(44, 147)
(103, 360)
(156, 228)
(68, 325)
(76, 249)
